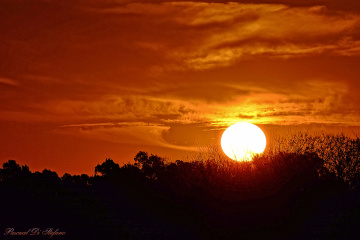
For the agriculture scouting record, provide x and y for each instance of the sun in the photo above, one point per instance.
(242, 141)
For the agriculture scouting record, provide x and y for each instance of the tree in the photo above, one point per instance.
(151, 165)
(49, 176)
(107, 168)
(12, 170)
(75, 179)
(67, 177)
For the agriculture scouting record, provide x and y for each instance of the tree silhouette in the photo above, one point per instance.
(67, 178)
(107, 168)
(151, 166)
(12, 170)
(237, 199)
(46, 173)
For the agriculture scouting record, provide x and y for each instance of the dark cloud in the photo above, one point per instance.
(246, 117)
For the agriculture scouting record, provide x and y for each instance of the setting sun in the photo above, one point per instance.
(242, 140)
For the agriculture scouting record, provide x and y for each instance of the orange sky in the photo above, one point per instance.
(83, 80)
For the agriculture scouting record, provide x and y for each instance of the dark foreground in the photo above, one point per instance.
(287, 196)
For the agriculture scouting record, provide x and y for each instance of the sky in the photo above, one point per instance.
(85, 80)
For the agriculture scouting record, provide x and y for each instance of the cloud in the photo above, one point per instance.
(317, 101)
(224, 33)
(100, 40)
(117, 107)
(126, 65)
(313, 101)
(137, 133)
(117, 75)
(8, 81)
(276, 31)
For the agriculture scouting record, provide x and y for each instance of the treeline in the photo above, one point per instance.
(283, 196)
(340, 153)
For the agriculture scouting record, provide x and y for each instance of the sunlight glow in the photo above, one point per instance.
(242, 141)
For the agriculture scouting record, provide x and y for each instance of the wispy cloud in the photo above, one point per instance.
(140, 133)
(8, 81)
(118, 107)
(162, 73)
(313, 101)
(224, 33)
(310, 101)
